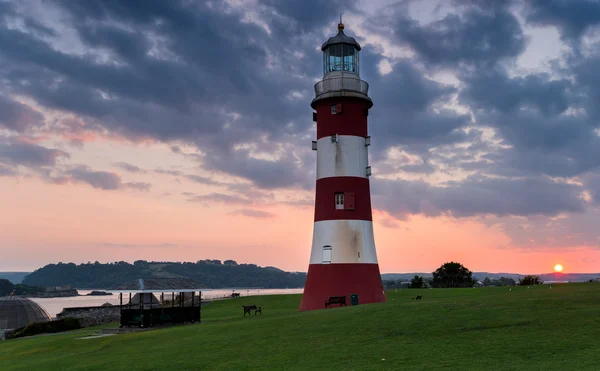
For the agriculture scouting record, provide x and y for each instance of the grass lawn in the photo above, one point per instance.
(540, 328)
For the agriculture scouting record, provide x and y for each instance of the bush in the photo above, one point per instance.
(64, 324)
(453, 274)
(530, 280)
(416, 282)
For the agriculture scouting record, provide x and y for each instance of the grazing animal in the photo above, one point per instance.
(419, 297)
(258, 310)
(248, 308)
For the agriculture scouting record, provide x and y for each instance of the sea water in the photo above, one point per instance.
(55, 305)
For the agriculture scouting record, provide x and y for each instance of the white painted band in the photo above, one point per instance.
(343, 241)
(348, 156)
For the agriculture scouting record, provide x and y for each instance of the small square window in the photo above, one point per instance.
(333, 109)
(339, 201)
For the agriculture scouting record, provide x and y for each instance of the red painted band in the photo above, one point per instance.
(325, 280)
(325, 198)
(351, 121)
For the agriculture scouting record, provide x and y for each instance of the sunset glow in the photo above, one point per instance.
(183, 132)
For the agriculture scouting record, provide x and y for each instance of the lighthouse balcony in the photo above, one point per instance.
(341, 84)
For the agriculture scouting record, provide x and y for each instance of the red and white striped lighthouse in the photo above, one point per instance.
(343, 260)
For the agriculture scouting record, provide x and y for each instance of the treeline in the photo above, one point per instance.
(208, 273)
(7, 287)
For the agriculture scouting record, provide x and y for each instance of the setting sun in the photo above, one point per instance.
(558, 268)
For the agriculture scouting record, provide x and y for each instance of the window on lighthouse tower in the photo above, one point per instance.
(339, 201)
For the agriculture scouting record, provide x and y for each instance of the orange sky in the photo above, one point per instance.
(43, 223)
(164, 209)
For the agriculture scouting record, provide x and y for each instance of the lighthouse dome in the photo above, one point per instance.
(340, 38)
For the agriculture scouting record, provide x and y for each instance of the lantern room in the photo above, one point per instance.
(341, 53)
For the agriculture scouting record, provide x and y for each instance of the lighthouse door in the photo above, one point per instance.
(326, 254)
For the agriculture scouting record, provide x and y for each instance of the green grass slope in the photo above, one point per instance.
(540, 328)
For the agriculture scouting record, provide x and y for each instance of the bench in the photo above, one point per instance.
(341, 300)
(248, 308)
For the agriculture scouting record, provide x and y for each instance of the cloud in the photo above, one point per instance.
(15, 152)
(103, 180)
(128, 167)
(572, 18)
(472, 34)
(221, 198)
(482, 135)
(477, 196)
(7, 171)
(97, 179)
(138, 186)
(17, 116)
(236, 93)
(251, 213)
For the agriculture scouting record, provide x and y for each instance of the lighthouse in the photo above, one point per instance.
(343, 260)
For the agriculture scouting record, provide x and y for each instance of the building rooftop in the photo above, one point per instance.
(16, 312)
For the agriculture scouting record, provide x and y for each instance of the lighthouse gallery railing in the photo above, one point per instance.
(341, 84)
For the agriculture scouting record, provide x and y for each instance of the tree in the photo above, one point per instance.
(452, 274)
(6, 287)
(416, 282)
(487, 282)
(530, 280)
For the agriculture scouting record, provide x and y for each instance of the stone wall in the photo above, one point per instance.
(92, 316)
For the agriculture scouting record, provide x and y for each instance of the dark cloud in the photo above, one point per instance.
(97, 179)
(478, 196)
(14, 152)
(404, 110)
(211, 78)
(572, 18)
(532, 115)
(286, 172)
(17, 116)
(479, 34)
(215, 86)
(536, 91)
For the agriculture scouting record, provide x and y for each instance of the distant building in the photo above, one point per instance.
(17, 312)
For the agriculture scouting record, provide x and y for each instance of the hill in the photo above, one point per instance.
(541, 328)
(14, 277)
(208, 273)
(569, 277)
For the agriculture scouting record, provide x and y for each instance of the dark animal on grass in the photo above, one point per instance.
(419, 297)
(249, 308)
